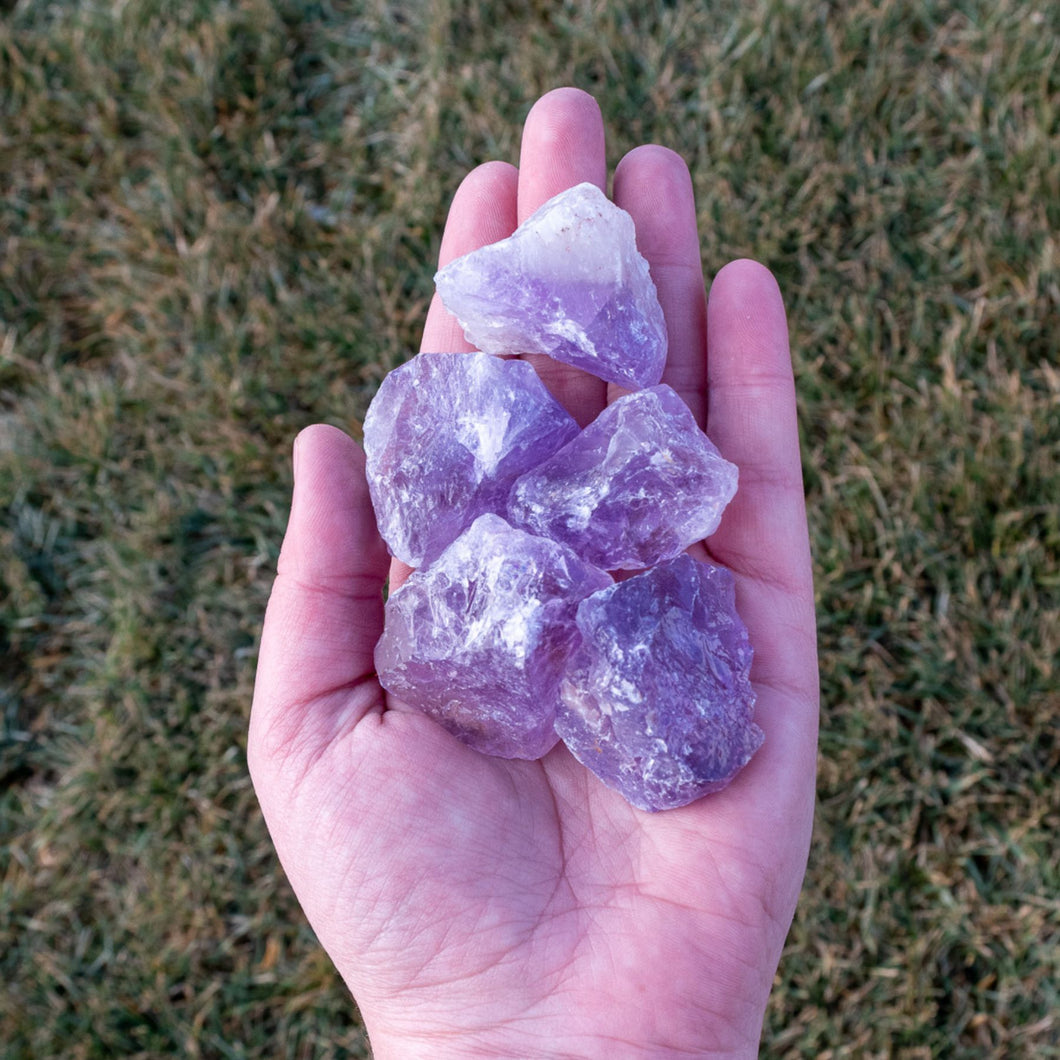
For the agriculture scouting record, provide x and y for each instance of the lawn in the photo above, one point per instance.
(218, 224)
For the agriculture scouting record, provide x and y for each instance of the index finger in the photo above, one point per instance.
(483, 211)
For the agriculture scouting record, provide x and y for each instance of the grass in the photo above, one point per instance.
(218, 223)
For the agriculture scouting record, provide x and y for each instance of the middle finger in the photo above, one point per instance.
(563, 145)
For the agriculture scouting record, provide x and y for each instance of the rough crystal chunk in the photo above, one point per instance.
(657, 700)
(570, 283)
(479, 639)
(637, 486)
(445, 437)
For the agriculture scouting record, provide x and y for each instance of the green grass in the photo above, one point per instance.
(220, 225)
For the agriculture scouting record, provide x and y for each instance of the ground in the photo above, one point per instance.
(220, 225)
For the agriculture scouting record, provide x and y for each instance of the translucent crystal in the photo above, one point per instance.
(657, 699)
(637, 486)
(478, 640)
(445, 437)
(570, 283)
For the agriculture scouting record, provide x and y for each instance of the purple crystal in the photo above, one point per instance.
(637, 486)
(657, 699)
(445, 437)
(479, 639)
(569, 282)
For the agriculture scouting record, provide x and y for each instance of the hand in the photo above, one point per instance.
(482, 907)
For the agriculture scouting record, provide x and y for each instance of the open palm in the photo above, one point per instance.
(479, 906)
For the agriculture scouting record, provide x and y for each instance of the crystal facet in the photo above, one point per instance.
(570, 283)
(657, 699)
(445, 437)
(479, 639)
(637, 486)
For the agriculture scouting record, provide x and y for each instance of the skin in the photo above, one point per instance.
(483, 907)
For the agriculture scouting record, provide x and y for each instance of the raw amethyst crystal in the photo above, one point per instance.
(445, 437)
(569, 282)
(637, 486)
(479, 639)
(657, 701)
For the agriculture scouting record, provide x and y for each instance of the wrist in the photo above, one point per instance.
(604, 1048)
(554, 1044)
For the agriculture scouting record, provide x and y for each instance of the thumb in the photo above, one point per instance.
(316, 676)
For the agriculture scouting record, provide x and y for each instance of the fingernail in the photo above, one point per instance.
(296, 455)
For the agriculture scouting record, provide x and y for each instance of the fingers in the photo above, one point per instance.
(653, 185)
(563, 145)
(751, 417)
(325, 614)
(483, 211)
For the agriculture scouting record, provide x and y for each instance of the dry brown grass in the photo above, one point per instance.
(219, 225)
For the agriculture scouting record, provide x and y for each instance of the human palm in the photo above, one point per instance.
(481, 906)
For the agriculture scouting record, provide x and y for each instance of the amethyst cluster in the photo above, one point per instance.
(512, 634)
